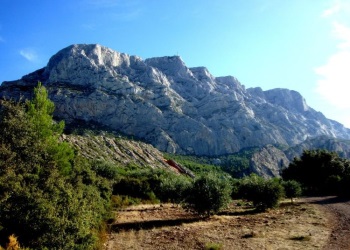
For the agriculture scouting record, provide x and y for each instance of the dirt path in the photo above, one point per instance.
(338, 211)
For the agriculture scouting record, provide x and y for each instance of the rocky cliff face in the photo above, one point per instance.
(268, 161)
(175, 108)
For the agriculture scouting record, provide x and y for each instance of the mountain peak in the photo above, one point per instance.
(93, 54)
(289, 99)
(175, 108)
(170, 65)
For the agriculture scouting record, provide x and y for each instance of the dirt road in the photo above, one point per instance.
(338, 211)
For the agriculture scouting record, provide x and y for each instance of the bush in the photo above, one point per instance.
(105, 169)
(151, 184)
(208, 194)
(213, 246)
(263, 193)
(292, 189)
(173, 189)
(134, 187)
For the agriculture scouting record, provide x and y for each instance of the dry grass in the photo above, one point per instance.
(13, 244)
(298, 226)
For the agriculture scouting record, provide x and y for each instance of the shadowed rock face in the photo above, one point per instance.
(175, 108)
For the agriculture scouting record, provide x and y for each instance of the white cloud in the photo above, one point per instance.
(29, 54)
(342, 33)
(334, 82)
(335, 8)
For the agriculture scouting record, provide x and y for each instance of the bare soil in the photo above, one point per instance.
(309, 223)
(338, 212)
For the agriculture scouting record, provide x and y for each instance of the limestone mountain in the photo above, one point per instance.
(175, 108)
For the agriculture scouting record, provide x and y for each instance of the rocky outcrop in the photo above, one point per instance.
(268, 161)
(341, 147)
(122, 152)
(175, 108)
(117, 151)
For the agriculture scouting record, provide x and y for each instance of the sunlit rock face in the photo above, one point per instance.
(175, 108)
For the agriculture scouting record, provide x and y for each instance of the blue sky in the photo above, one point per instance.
(302, 45)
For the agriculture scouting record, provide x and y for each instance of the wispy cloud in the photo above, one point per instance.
(342, 33)
(29, 54)
(335, 8)
(334, 82)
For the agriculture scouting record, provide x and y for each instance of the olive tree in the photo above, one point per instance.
(209, 194)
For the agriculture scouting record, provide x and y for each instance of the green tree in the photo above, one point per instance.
(47, 131)
(263, 193)
(292, 189)
(319, 171)
(173, 189)
(49, 197)
(209, 194)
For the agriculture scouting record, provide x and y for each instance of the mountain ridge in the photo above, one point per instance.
(175, 108)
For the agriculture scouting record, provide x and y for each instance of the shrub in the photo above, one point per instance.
(151, 184)
(134, 187)
(208, 194)
(173, 189)
(121, 201)
(213, 246)
(105, 169)
(263, 193)
(292, 189)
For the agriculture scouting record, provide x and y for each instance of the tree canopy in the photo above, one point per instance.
(49, 196)
(320, 172)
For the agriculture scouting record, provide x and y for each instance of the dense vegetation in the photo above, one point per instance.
(49, 196)
(261, 192)
(236, 165)
(320, 172)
